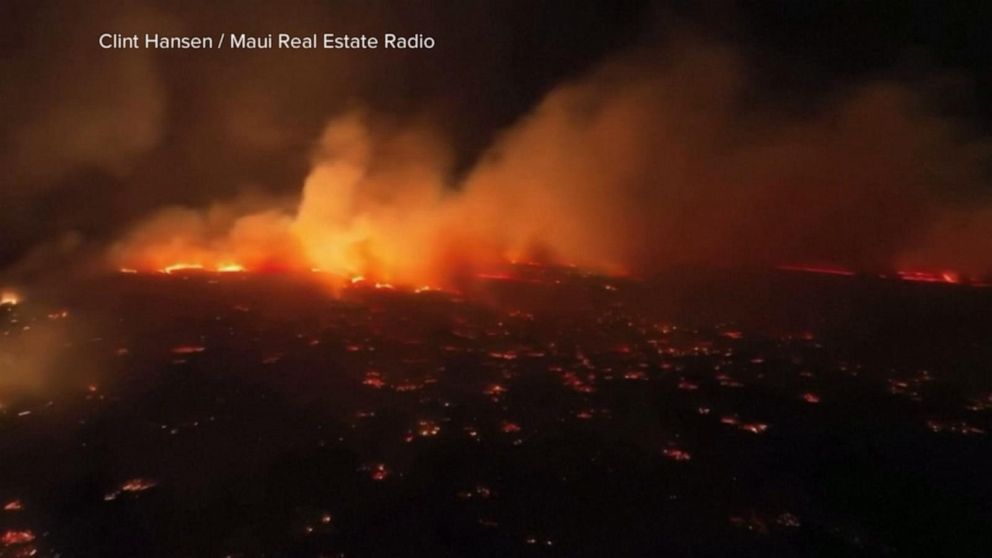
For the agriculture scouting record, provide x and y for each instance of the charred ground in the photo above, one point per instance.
(548, 412)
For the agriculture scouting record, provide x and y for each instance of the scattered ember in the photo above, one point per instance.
(13, 505)
(980, 403)
(13, 537)
(961, 427)
(138, 485)
(494, 390)
(427, 428)
(373, 379)
(572, 381)
(132, 486)
(754, 427)
(480, 492)
(676, 454)
(510, 427)
(501, 350)
(378, 471)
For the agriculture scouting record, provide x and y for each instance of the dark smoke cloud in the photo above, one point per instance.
(656, 160)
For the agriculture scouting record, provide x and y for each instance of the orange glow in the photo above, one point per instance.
(230, 268)
(9, 297)
(826, 270)
(13, 537)
(181, 267)
(13, 505)
(188, 349)
(929, 277)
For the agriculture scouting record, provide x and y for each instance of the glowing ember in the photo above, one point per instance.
(928, 277)
(428, 428)
(9, 297)
(636, 375)
(754, 427)
(959, 427)
(373, 379)
(378, 471)
(510, 427)
(13, 505)
(230, 268)
(138, 485)
(494, 390)
(176, 267)
(132, 486)
(810, 397)
(676, 454)
(13, 537)
(825, 270)
(188, 349)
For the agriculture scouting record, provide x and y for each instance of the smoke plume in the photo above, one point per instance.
(653, 159)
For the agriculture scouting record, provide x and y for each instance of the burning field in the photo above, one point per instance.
(590, 278)
(547, 412)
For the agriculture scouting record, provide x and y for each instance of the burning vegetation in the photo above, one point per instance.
(632, 178)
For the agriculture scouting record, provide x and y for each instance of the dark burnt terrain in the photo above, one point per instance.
(544, 412)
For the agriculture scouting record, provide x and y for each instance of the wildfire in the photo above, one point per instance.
(943, 277)
(181, 267)
(928, 277)
(9, 297)
(230, 267)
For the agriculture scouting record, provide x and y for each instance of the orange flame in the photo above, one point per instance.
(9, 297)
